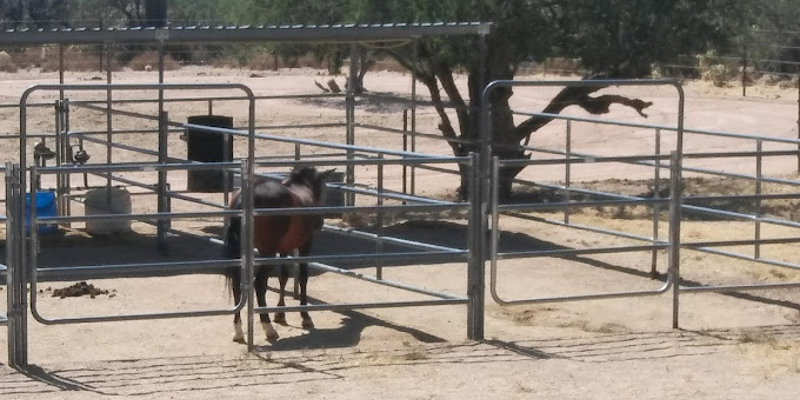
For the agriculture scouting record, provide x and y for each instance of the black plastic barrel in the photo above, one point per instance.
(208, 147)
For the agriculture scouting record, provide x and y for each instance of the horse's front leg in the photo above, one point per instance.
(303, 277)
(260, 286)
(283, 277)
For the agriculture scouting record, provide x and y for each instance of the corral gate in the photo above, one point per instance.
(678, 162)
(24, 268)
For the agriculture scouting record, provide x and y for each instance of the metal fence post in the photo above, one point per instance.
(758, 184)
(675, 191)
(163, 195)
(247, 253)
(477, 240)
(656, 207)
(15, 279)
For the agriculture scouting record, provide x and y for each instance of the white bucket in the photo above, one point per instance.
(107, 201)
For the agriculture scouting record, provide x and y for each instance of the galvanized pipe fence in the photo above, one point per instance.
(483, 209)
(680, 205)
(29, 253)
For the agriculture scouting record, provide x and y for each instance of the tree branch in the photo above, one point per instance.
(578, 96)
(446, 127)
(445, 75)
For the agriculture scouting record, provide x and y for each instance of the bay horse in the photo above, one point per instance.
(277, 235)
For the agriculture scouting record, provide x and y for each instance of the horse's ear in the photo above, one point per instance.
(325, 174)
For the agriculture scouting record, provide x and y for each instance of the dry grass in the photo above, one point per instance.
(76, 58)
(387, 64)
(264, 62)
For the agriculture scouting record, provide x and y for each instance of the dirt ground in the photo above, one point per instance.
(729, 346)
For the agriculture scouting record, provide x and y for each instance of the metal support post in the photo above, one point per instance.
(379, 220)
(246, 251)
(109, 118)
(675, 193)
(163, 196)
(475, 263)
(656, 207)
(350, 107)
(479, 196)
(414, 59)
(759, 180)
(567, 170)
(16, 282)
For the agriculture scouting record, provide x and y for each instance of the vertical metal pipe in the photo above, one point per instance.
(479, 204)
(675, 233)
(414, 60)
(248, 172)
(379, 219)
(162, 188)
(495, 221)
(109, 119)
(10, 268)
(61, 70)
(350, 120)
(31, 268)
(15, 279)
(759, 182)
(676, 182)
(475, 270)
(60, 155)
(656, 207)
(247, 252)
(296, 253)
(567, 169)
(405, 149)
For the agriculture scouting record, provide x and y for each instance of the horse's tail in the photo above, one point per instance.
(232, 247)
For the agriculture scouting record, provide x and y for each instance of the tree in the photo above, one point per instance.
(12, 13)
(611, 38)
(33, 13)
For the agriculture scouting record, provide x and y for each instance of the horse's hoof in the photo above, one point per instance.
(280, 318)
(308, 324)
(272, 334)
(238, 334)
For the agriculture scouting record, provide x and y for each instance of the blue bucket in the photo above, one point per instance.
(45, 207)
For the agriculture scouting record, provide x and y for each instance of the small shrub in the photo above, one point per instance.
(6, 63)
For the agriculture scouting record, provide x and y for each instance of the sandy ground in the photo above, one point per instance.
(741, 346)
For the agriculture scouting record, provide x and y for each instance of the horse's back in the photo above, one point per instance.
(276, 233)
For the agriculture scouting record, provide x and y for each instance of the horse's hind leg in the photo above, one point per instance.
(283, 277)
(238, 334)
(260, 286)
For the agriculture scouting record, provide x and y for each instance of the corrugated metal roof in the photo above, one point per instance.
(282, 33)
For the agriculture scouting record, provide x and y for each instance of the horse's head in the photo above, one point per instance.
(310, 178)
